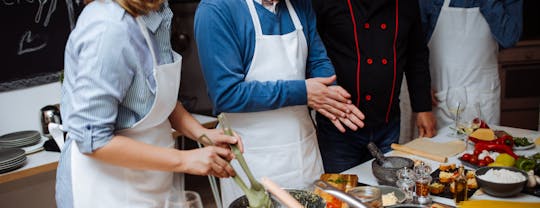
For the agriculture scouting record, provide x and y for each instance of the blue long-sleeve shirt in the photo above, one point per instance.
(226, 40)
(504, 17)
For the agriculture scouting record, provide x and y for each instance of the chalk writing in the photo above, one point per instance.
(33, 39)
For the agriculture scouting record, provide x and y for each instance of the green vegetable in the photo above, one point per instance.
(536, 156)
(256, 194)
(522, 141)
(525, 164)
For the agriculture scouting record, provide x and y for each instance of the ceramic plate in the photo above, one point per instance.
(525, 147)
(389, 189)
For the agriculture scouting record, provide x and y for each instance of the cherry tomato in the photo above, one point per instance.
(477, 152)
(466, 157)
(482, 163)
(488, 159)
(474, 160)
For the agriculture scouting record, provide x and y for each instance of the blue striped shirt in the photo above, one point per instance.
(109, 83)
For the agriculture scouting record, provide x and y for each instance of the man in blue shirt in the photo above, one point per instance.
(256, 56)
(464, 38)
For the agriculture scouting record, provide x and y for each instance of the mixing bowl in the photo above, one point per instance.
(306, 198)
(387, 176)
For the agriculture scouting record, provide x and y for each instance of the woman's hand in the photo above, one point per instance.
(211, 160)
(218, 138)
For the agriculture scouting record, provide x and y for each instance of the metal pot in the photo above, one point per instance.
(306, 198)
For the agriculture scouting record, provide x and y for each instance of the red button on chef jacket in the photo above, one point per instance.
(368, 97)
(366, 25)
(383, 26)
(384, 61)
(369, 61)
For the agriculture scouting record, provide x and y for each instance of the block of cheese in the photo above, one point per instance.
(483, 134)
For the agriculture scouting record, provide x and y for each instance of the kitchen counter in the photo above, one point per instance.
(365, 174)
(45, 161)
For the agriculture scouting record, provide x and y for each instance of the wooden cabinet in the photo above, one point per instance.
(519, 69)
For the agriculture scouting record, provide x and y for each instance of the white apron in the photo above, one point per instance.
(282, 143)
(97, 184)
(463, 53)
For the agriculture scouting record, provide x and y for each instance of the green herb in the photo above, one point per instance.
(339, 180)
(522, 141)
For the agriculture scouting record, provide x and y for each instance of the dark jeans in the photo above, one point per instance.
(342, 151)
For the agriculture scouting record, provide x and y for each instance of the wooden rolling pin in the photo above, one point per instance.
(420, 153)
(282, 195)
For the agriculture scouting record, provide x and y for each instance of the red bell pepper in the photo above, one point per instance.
(483, 124)
(502, 138)
(501, 148)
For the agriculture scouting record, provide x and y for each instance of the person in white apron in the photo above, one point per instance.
(283, 145)
(279, 139)
(135, 167)
(463, 53)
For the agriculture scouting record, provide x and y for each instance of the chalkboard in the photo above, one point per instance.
(33, 39)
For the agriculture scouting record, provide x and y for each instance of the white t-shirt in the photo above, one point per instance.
(271, 8)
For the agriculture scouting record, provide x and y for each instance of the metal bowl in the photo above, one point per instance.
(387, 176)
(306, 198)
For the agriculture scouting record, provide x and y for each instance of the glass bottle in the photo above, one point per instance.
(460, 186)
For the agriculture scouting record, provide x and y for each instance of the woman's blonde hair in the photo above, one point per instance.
(137, 7)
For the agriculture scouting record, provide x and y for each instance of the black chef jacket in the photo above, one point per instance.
(372, 44)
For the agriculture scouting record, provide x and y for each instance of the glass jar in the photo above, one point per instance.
(406, 182)
(368, 195)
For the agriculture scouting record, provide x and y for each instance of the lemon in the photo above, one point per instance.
(505, 160)
(495, 164)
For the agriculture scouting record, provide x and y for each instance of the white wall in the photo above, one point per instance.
(20, 110)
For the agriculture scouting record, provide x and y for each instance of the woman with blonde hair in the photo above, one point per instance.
(119, 104)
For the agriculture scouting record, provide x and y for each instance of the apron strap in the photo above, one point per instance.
(254, 18)
(446, 4)
(57, 133)
(293, 15)
(257, 23)
(144, 31)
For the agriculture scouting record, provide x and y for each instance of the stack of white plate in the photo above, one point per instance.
(19, 139)
(11, 159)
